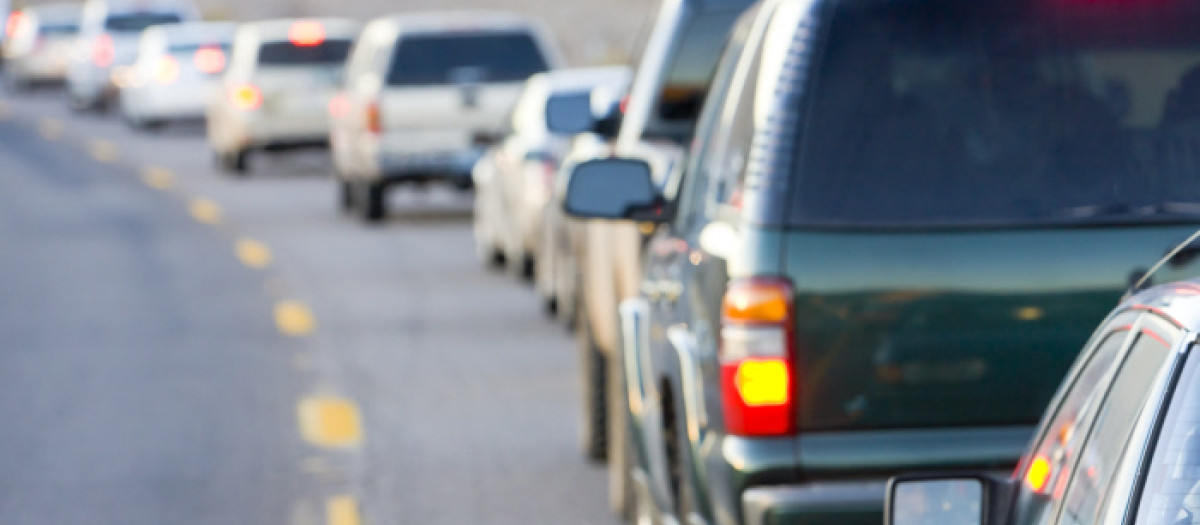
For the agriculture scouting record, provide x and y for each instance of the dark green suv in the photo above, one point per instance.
(899, 222)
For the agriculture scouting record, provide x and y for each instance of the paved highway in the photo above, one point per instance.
(181, 346)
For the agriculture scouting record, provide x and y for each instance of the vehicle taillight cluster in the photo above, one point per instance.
(246, 97)
(14, 23)
(167, 71)
(374, 118)
(103, 51)
(757, 359)
(209, 60)
(306, 34)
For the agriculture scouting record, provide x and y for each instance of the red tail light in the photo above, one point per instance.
(374, 118)
(246, 97)
(339, 106)
(103, 51)
(758, 385)
(14, 23)
(624, 105)
(209, 60)
(307, 34)
(1038, 474)
(167, 71)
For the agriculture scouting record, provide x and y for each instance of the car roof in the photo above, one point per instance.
(1179, 302)
(583, 78)
(55, 13)
(188, 32)
(277, 29)
(461, 20)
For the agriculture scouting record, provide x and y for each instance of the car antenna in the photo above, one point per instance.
(1171, 255)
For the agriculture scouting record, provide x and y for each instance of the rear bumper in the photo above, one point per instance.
(851, 503)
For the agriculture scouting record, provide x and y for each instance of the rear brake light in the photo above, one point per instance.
(374, 118)
(1038, 474)
(14, 23)
(246, 97)
(339, 106)
(307, 34)
(167, 71)
(103, 51)
(624, 105)
(209, 60)
(757, 372)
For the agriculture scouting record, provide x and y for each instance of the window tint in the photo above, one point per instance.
(691, 68)
(329, 52)
(570, 111)
(136, 22)
(1099, 459)
(58, 29)
(1172, 491)
(943, 112)
(1043, 476)
(467, 58)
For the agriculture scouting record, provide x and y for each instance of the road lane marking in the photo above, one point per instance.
(50, 129)
(103, 150)
(158, 178)
(205, 211)
(253, 253)
(330, 422)
(294, 318)
(342, 510)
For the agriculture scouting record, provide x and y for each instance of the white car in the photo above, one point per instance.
(424, 96)
(37, 45)
(177, 67)
(275, 96)
(515, 179)
(108, 41)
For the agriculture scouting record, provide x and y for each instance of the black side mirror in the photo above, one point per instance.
(613, 189)
(936, 499)
(609, 126)
(569, 114)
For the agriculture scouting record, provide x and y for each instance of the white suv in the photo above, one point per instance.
(108, 42)
(425, 95)
(275, 94)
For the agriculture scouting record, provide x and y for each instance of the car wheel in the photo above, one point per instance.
(544, 275)
(620, 451)
(373, 202)
(235, 162)
(345, 195)
(593, 370)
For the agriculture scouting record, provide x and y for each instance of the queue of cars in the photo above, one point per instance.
(807, 246)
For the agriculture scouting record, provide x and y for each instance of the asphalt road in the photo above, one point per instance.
(180, 346)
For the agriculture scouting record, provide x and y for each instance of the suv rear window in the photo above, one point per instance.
(58, 29)
(329, 52)
(947, 113)
(136, 22)
(467, 58)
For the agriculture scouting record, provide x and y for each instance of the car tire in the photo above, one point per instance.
(593, 369)
(346, 199)
(235, 162)
(621, 498)
(372, 202)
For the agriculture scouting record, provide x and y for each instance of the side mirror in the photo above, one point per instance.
(612, 189)
(569, 114)
(945, 499)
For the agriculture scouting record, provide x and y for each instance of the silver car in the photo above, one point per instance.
(37, 45)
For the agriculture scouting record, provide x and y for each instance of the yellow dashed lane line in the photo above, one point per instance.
(253, 253)
(342, 510)
(205, 211)
(50, 129)
(294, 319)
(103, 150)
(158, 178)
(330, 422)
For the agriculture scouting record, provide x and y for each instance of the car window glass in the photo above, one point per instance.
(1146, 362)
(697, 183)
(1172, 489)
(136, 22)
(58, 29)
(329, 52)
(947, 113)
(1042, 474)
(465, 59)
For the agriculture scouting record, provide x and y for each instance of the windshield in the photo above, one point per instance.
(329, 52)
(136, 22)
(466, 58)
(951, 113)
